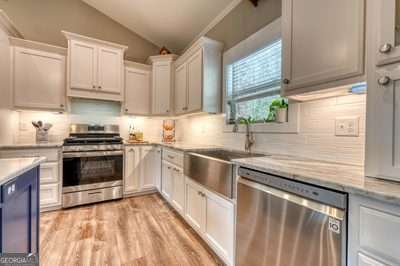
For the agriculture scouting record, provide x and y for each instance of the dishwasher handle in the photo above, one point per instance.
(307, 203)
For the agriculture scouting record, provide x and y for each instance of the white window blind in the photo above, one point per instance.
(253, 82)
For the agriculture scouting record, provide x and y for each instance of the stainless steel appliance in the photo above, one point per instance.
(282, 222)
(92, 164)
(214, 169)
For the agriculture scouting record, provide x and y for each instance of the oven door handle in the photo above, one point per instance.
(91, 154)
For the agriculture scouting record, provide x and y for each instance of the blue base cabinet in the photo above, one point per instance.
(20, 214)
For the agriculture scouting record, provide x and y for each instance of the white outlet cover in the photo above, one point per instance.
(347, 126)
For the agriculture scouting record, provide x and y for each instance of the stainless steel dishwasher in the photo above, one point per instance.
(282, 222)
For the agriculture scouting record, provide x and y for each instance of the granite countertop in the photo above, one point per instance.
(181, 146)
(10, 168)
(31, 145)
(340, 177)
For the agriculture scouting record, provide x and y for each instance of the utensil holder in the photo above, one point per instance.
(42, 135)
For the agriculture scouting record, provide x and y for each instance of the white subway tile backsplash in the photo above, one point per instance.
(316, 138)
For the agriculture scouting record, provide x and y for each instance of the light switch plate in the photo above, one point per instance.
(347, 126)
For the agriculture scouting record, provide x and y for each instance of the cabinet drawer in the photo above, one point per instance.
(49, 195)
(49, 173)
(50, 154)
(173, 157)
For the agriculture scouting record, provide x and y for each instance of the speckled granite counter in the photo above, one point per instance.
(10, 168)
(181, 146)
(31, 145)
(341, 177)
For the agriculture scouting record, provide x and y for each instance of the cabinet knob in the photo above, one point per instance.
(167, 111)
(385, 80)
(126, 110)
(99, 87)
(62, 105)
(94, 87)
(286, 81)
(386, 48)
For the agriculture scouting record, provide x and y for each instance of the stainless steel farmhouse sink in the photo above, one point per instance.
(214, 168)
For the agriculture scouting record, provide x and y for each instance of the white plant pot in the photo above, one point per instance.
(281, 115)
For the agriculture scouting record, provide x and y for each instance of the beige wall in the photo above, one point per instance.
(42, 20)
(244, 20)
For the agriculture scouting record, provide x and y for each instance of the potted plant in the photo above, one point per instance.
(278, 111)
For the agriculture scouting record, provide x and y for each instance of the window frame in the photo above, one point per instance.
(255, 42)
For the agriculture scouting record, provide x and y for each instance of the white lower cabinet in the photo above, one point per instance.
(166, 183)
(49, 195)
(142, 169)
(374, 233)
(212, 217)
(178, 189)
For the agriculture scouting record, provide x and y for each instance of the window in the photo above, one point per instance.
(253, 82)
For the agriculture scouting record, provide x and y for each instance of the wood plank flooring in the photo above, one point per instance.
(134, 231)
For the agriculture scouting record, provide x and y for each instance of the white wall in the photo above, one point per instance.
(315, 140)
(8, 118)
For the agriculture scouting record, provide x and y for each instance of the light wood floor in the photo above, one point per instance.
(135, 231)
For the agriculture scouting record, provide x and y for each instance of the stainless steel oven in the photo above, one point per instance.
(92, 166)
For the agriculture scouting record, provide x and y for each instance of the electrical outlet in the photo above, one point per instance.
(347, 126)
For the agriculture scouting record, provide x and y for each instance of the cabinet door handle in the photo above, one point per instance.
(167, 111)
(126, 110)
(386, 48)
(171, 157)
(62, 105)
(169, 167)
(94, 87)
(286, 81)
(385, 80)
(99, 87)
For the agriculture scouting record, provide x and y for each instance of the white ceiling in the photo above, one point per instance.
(170, 23)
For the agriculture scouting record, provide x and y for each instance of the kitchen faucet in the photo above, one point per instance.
(249, 135)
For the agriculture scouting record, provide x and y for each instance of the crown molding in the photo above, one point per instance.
(8, 26)
(214, 22)
(75, 36)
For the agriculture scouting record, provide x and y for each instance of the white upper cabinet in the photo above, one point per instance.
(388, 36)
(137, 89)
(83, 60)
(181, 89)
(198, 75)
(162, 83)
(195, 82)
(38, 75)
(323, 44)
(109, 70)
(95, 67)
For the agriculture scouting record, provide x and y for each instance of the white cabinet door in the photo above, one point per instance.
(83, 65)
(161, 92)
(132, 170)
(195, 206)
(110, 63)
(167, 180)
(388, 122)
(363, 260)
(195, 82)
(178, 192)
(137, 91)
(388, 37)
(39, 79)
(151, 167)
(157, 167)
(219, 225)
(181, 89)
(49, 173)
(317, 46)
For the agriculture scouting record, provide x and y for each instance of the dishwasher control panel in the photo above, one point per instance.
(329, 197)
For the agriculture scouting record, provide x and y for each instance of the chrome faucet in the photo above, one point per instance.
(249, 135)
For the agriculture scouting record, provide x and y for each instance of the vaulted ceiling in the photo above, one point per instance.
(170, 23)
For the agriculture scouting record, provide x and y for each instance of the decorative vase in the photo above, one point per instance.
(281, 115)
